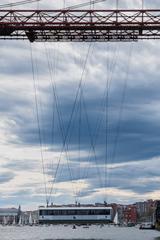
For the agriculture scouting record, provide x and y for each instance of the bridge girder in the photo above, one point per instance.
(80, 25)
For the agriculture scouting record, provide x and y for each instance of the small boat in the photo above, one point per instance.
(20, 222)
(147, 225)
(14, 221)
(86, 226)
(116, 220)
(131, 224)
(5, 222)
(30, 220)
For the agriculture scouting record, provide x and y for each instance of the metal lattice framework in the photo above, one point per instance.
(80, 25)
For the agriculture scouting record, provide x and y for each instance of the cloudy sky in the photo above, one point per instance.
(110, 124)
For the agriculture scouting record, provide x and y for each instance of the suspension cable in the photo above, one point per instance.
(122, 102)
(61, 126)
(19, 3)
(66, 136)
(85, 4)
(24, 2)
(91, 141)
(117, 134)
(38, 124)
(117, 4)
(106, 133)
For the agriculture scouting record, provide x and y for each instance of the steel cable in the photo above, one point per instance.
(19, 3)
(38, 123)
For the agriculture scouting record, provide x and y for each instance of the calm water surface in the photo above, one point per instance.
(80, 233)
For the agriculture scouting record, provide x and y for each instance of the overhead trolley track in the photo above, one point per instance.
(80, 25)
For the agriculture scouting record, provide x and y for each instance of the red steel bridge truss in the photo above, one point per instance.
(80, 25)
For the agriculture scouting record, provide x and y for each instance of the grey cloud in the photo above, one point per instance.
(6, 177)
(20, 165)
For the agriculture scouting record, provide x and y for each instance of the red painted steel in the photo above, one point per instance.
(80, 25)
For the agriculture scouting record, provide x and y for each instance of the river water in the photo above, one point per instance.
(81, 232)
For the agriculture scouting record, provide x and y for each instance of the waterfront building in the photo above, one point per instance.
(130, 214)
(146, 210)
(157, 215)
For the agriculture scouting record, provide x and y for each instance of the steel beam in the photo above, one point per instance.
(80, 25)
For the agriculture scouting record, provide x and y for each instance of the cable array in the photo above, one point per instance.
(19, 3)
